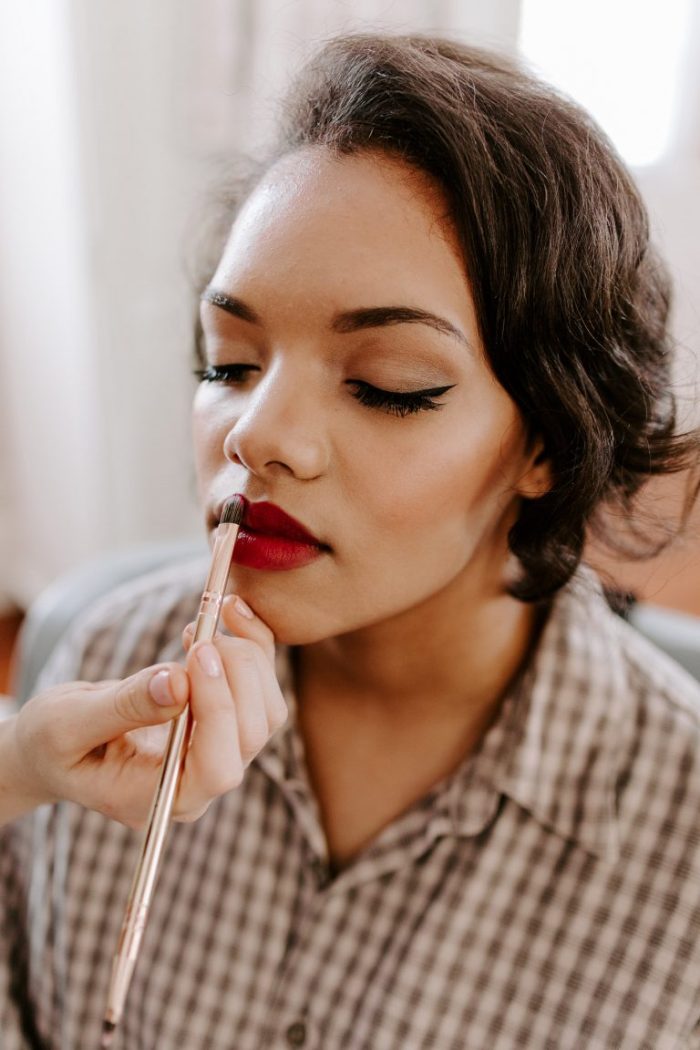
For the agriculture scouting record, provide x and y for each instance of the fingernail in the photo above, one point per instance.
(159, 688)
(209, 660)
(245, 610)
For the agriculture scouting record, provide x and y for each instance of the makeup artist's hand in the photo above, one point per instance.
(101, 744)
(237, 704)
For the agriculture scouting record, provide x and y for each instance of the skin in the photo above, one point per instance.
(405, 636)
(406, 630)
(101, 743)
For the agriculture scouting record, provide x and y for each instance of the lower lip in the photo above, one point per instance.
(255, 550)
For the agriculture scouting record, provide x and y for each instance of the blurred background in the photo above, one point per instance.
(113, 116)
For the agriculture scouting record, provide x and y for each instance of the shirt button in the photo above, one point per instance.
(296, 1034)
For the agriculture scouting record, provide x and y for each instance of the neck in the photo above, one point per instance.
(451, 658)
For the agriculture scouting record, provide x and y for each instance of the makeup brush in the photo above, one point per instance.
(141, 892)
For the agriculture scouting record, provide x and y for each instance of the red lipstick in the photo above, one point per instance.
(271, 539)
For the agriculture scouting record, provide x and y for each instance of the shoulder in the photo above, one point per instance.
(658, 767)
(608, 650)
(628, 731)
(134, 624)
(657, 684)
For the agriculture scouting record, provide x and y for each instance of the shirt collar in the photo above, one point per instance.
(555, 749)
(552, 750)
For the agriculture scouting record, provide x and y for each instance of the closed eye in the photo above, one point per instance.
(396, 402)
(224, 373)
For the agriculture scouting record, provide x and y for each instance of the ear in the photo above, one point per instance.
(537, 478)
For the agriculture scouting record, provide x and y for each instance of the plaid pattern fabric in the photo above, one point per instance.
(545, 895)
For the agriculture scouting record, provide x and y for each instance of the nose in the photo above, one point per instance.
(281, 428)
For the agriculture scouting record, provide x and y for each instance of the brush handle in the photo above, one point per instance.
(143, 885)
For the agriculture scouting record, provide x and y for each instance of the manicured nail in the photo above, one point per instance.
(209, 661)
(245, 610)
(159, 688)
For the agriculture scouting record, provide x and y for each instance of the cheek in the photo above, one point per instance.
(452, 480)
(209, 430)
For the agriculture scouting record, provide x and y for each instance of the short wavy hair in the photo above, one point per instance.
(571, 299)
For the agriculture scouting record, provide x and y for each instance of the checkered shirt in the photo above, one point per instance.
(545, 895)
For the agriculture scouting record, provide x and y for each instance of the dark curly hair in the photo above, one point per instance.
(571, 299)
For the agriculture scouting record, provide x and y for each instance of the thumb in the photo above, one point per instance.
(149, 697)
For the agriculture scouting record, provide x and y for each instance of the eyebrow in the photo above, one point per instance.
(231, 305)
(349, 320)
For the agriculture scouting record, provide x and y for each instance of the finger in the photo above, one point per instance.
(188, 636)
(79, 720)
(232, 650)
(240, 620)
(243, 622)
(242, 660)
(214, 762)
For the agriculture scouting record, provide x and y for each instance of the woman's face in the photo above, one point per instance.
(342, 280)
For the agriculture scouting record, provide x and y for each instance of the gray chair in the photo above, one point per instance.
(676, 633)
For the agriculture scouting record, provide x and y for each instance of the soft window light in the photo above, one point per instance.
(619, 59)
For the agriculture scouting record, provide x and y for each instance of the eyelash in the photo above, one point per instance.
(391, 401)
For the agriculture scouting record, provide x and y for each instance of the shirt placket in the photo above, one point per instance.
(292, 1019)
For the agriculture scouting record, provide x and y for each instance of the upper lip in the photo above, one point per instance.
(269, 519)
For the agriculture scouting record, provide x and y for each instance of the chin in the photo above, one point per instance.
(296, 637)
(293, 619)
(288, 631)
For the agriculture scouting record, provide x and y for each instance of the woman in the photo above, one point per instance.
(435, 342)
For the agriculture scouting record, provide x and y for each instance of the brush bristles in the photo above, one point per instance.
(233, 511)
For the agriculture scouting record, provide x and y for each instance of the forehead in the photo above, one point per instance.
(363, 228)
